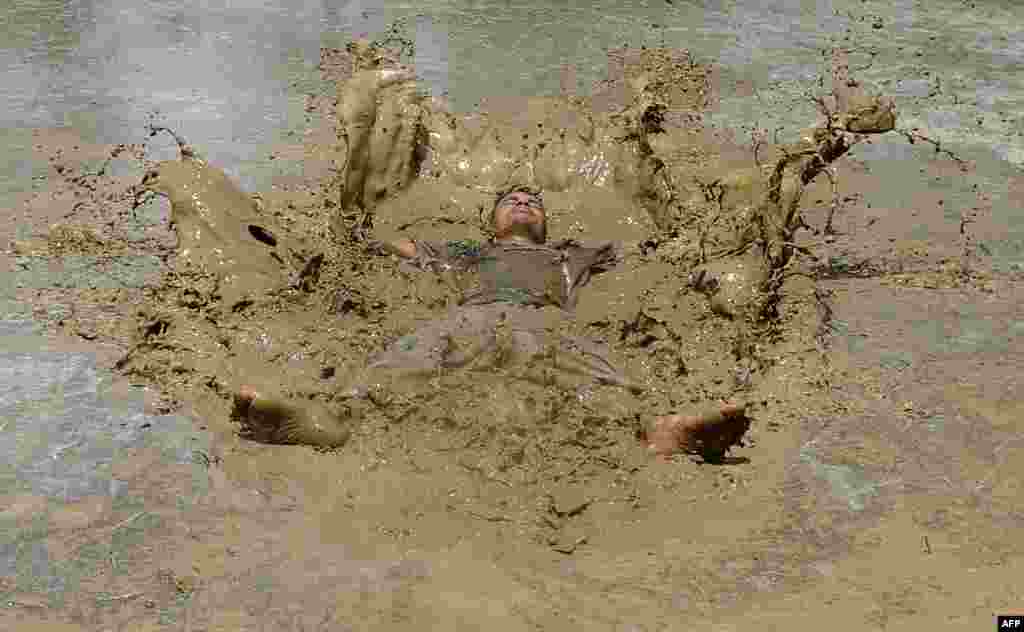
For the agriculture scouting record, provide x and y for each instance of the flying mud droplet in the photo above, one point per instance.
(262, 234)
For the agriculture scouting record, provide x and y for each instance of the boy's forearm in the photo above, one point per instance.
(403, 247)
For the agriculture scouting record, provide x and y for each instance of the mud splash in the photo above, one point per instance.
(219, 228)
(631, 163)
(538, 494)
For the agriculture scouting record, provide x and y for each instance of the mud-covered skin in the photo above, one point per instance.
(219, 227)
(272, 419)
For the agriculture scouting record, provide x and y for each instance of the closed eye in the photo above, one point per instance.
(533, 203)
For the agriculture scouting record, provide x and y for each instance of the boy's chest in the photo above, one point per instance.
(537, 272)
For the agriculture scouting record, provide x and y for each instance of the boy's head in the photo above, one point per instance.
(519, 212)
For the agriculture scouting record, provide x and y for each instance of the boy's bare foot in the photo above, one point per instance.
(276, 420)
(709, 434)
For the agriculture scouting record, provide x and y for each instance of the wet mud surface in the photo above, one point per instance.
(875, 488)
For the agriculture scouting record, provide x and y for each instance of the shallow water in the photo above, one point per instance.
(67, 437)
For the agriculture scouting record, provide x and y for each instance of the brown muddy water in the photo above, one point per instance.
(878, 485)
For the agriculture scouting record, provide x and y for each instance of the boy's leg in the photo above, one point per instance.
(270, 418)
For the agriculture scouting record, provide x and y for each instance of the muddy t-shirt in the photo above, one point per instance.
(518, 272)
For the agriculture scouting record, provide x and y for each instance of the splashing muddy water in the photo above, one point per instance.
(540, 496)
(526, 448)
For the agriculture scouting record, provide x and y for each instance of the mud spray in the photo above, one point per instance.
(294, 299)
(713, 300)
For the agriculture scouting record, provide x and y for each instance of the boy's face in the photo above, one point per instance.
(520, 214)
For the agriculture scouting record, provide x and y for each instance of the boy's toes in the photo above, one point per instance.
(243, 399)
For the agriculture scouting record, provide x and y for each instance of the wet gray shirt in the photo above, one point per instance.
(517, 272)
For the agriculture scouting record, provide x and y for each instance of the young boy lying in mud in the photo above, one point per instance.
(511, 322)
(512, 319)
(524, 288)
